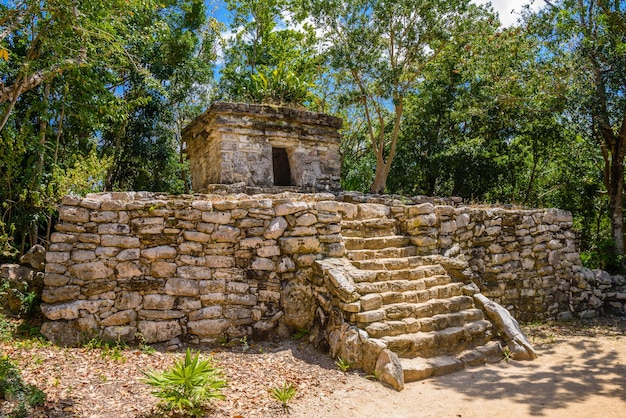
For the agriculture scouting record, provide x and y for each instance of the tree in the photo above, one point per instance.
(591, 35)
(378, 50)
(271, 56)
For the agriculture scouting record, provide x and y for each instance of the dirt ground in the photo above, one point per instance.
(580, 372)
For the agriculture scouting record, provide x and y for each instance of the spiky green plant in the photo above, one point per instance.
(189, 385)
(284, 394)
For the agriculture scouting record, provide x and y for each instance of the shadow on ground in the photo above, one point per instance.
(577, 371)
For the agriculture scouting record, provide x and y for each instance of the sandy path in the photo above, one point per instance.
(573, 377)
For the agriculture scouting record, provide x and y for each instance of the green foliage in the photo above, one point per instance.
(188, 385)
(266, 63)
(112, 350)
(22, 396)
(300, 333)
(343, 364)
(284, 394)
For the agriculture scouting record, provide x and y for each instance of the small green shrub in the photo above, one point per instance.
(343, 364)
(284, 394)
(188, 385)
(108, 350)
(23, 396)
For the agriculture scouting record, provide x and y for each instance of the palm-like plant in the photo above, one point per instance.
(188, 385)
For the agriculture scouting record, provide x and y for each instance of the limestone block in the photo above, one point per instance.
(306, 219)
(194, 272)
(119, 241)
(268, 251)
(225, 233)
(423, 221)
(290, 208)
(80, 256)
(181, 287)
(301, 231)
(162, 269)
(219, 261)
(152, 225)
(196, 236)
(202, 205)
(127, 269)
(163, 251)
(208, 327)
(159, 315)
(119, 333)
(211, 286)
(54, 279)
(237, 287)
(261, 263)
(285, 265)
(422, 209)
(372, 210)
(60, 294)
(127, 300)
(188, 214)
(207, 228)
(347, 210)
(300, 245)
(328, 205)
(221, 218)
(448, 227)
(74, 214)
(104, 217)
(119, 318)
(193, 248)
(299, 304)
(209, 312)
(128, 254)
(154, 332)
(89, 238)
(251, 243)
(70, 310)
(113, 229)
(276, 228)
(241, 299)
(57, 257)
(462, 220)
(216, 298)
(389, 370)
(371, 301)
(269, 296)
(158, 301)
(91, 271)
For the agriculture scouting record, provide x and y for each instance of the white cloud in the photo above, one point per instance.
(509, 10)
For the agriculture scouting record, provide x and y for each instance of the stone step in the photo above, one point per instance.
(401, 263)
(392, 252)
(401, 311)
(431, 274)
(448, 341)
(413, 325)
(368, 228)
(410, 291)
(417, 368)
(376, 243)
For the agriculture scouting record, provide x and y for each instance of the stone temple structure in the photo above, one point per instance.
(404, 288)
(264, 146)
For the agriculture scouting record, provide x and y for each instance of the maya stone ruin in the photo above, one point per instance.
(406, 288)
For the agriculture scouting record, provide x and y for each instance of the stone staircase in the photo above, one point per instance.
(406, 303)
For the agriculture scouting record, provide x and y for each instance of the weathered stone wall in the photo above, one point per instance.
(596, 292)
(232, 143)
(523, 259)
(206, 267)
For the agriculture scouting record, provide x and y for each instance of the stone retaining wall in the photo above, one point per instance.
(523, 259)
(209, 267)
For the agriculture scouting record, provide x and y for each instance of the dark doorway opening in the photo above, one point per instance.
(282, 172)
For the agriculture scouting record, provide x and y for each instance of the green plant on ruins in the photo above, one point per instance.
(188, 385)
(284, 394)
(343, 364)
(23, 396)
